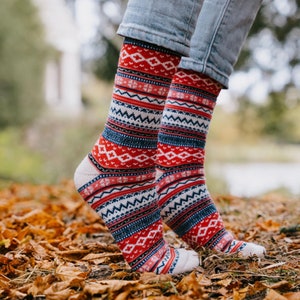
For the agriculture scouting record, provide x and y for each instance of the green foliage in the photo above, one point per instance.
(281, 119)
(275, 30)
(274, 119)
(107, 44)
(274, 115)
(105, 66)
(48, 152)
(22, 57)
(18, 161)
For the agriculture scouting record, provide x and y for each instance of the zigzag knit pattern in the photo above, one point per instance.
(117, 179)
(186, 205)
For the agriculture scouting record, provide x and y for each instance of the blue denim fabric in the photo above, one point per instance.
(208, 34)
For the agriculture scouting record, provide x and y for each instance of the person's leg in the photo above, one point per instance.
(186, 205)
(169, 23)
(220, 32)
(117, 178)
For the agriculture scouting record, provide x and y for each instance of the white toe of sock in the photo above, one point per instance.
(252, 249)
(188, 261)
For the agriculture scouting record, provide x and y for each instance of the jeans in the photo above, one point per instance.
(209, 34)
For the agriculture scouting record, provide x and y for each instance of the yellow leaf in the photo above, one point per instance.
(5, 242)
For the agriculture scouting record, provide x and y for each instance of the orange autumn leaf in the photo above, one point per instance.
(69, 272)
(40, 284)
(292, 295)
(101, 287)
(273, 295)
(269, 225)
(240, 294)
(53, 246)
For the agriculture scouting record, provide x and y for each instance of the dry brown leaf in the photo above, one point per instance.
(69, 272)
(273, 295)
(204, 281)
(277, 285)
(34, 217)
(240, 294)
(224, 282)
(73, 254)
(223, 291)
(93, 228)
(4, 282)
(40, 284)
(56, 292)
(93, 256)
(123, 295)
(269, 225)
(103, 286)
(292, 296)
(37, 251)
(220, 275)
(189, 285)
(150, 278)
(51, 243)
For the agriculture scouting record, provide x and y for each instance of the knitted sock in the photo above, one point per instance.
(117, 179)
(186, 205)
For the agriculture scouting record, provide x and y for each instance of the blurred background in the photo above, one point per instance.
(57, 63)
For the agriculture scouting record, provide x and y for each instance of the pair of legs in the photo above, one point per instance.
(147, 165)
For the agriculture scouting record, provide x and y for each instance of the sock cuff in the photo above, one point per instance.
(196, 80)
(150, 46)
(147, 59)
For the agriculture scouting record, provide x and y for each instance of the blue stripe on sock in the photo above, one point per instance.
(128, 141)
(180, 141)
(133, 227)
(194, 219)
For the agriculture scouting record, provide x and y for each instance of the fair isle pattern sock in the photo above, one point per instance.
(186, 205)
(117, 179)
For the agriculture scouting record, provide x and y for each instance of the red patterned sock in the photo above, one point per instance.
(186, 205)
(117, 178)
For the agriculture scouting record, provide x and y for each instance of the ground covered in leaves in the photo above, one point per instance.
(52, 246)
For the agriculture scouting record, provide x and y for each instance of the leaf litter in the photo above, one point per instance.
(53, 246)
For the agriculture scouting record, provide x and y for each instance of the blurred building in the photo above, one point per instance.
(63, 72)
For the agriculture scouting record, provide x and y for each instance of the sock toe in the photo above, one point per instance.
(187, 262)
(252, 249)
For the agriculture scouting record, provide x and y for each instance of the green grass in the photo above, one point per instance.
(18, 161)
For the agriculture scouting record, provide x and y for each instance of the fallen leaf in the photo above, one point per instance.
(269, 225)
(93, 288)
(273, 295)
(292, 296)
(277, 285)
(69, 272)
(53, 246)
(224, 282)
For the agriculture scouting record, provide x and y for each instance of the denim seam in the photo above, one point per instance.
(189, 25)
(214, 35)
(208, 66)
